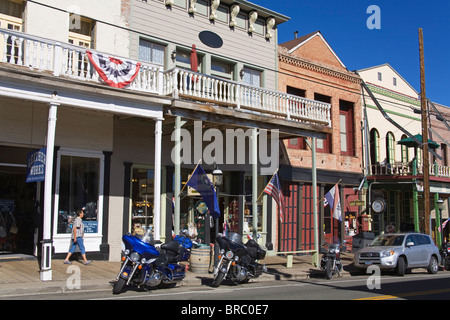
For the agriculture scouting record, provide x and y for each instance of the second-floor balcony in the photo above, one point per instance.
(408, 169)
(67, 60)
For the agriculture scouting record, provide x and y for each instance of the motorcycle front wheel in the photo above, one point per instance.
(218, 279)
(328, 269)
(118, 286)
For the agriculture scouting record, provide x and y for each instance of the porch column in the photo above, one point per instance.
(314, 189)
(255, 182)
(46, 260)
(157, 181)
(177, 186)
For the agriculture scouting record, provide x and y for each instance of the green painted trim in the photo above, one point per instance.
(395, 113)
(393, 95)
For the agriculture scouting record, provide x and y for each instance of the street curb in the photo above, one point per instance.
(193, 279)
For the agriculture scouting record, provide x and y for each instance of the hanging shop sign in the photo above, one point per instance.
(36, 165)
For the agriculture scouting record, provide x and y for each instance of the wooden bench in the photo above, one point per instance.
(290, 256)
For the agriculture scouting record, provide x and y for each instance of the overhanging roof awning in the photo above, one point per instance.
(410, 142)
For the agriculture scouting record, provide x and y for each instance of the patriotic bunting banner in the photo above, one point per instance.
(115, 72)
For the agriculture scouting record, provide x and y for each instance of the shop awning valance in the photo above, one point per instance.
(410, 142)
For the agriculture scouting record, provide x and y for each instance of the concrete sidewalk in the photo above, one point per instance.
(20, 274)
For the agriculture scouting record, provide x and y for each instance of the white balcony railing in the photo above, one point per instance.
(189, 84)
(408, 168)
(63, 59)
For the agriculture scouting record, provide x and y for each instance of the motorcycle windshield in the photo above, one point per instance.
(235, 237)
(136, 244)
(228, 244)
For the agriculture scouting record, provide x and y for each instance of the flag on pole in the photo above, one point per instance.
(273, 188)
(443, 225)
(200, 182)
(332, 198)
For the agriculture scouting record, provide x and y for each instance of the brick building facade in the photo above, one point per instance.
(309, 68)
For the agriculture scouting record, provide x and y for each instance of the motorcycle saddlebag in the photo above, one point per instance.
(255, 251)
(184, 241)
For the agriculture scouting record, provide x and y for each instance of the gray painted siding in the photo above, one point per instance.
(176, 26)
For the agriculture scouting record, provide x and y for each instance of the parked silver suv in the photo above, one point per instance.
(400, 251)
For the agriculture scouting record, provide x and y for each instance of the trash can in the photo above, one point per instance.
(361, 240)
(200, 259)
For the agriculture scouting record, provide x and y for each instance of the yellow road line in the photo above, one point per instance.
(408, 294)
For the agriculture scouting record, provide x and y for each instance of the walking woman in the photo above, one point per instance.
(77, 239)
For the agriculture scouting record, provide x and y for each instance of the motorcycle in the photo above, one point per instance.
(145, 265)
(236, 261)
(331, 261)
(445, 254)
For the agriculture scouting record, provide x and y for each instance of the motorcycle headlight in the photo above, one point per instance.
(134, 257)
(385, 254)
(229, 255)
(126, 252)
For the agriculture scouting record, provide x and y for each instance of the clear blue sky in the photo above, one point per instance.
(343, 24)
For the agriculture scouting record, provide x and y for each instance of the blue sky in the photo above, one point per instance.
(343, 24)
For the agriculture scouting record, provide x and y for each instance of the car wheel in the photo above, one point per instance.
(401, 266)
(433, 266)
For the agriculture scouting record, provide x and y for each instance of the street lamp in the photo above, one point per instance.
(217, 177)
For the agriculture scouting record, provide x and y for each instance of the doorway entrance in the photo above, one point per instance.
(19, 205)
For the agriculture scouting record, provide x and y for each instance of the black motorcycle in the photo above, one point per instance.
(331, 260)
(236, 261)
(445, 254)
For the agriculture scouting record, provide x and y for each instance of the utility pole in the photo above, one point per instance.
(426, 162)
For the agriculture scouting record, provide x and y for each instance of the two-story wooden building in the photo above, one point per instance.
(103, 101)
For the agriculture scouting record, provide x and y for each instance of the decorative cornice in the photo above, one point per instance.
(298, 62)
(393, 95)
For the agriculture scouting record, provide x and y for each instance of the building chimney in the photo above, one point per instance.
(295, 34)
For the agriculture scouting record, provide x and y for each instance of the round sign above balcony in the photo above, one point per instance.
(210, 39)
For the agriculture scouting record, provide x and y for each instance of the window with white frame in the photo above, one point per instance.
(80, 186)
(10, 18)
(11, 14)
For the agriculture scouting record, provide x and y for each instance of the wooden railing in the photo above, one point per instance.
(188, 84)
(67, 60)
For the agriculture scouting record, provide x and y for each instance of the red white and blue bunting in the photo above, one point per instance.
(115, 72)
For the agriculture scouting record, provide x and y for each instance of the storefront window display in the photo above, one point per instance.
(79, 187)
(142, 198)
(248, 210)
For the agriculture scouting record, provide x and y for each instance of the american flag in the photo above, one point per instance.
(273, 188)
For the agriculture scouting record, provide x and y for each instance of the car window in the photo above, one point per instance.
(410, 238)
(426, 240)
(388, 240)
(418, 240)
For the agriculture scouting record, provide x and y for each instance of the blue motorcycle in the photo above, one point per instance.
(145, 265)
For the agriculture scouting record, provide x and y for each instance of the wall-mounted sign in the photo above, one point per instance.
(210, 39)
(357, 203)
(36, 165)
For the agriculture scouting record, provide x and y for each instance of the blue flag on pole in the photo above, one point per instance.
(200, 182)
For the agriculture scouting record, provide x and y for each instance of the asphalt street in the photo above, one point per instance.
(417, 286)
